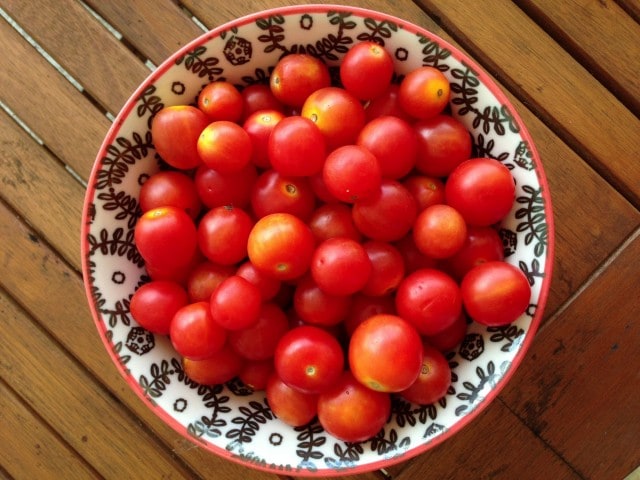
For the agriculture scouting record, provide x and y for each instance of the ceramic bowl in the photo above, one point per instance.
(232, 421)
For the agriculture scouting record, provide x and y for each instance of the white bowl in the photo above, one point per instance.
(230, 420)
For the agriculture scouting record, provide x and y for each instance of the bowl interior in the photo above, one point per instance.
(230, 420)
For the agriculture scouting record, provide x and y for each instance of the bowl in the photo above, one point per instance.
(231, 420)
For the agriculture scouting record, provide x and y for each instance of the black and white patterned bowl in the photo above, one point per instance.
(229, 420)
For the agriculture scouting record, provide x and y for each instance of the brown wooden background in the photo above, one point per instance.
(572, 69)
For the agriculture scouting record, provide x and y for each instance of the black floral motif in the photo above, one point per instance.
(433, 429)
(310, 438)
(379, 31)
(531, 271)
(347, 455)
(474, 391)
(119, 157)
(149, 103)
(195, 61)
(160, 378)
(253, 415)
(534, 216)
(237, 387)
(434, 54)
(121, 244)
(510, 334)
(238, 51)
(383, 444)
(523, 157)
(213, 398)
(124, 204)
(483, 147)
(509, 241)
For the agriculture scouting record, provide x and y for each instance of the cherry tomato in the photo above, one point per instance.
(439, 231)
(259, 341)
(386, 104)
(429, 299)
(482, 190)
(166, 237)
(387, 215)
(255, 373)
(393, 142)
(316, 307)
(276, 193)
(366, 70)
(495, 293)
(259, 126)
(193, 332)
(268, 286)
(413, 258)
(424, 92)
(175, 131)
(170, 188)
(216, 189)
(351, 173)
(333, 220)
(292, 140)
(450, 337)
(443, 143)
(338, 114)
(385, 353)
(225, 146)
(434, 379)
(340, 266)
(281, 245)
(220, 367)
(223, 233)
(482, 244)
(154, 304)
(221, 100)
(235, 303)
(293, 407)
(387, 268)
(259, 97)
(352, 412)
(309, 359)
(364, 306)
(320, 189)
(296, 76)
(204, 278)
(426, 190)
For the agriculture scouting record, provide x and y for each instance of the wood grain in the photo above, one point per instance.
(592, 32)
(578, 387)
(68, 25)
(31, 448)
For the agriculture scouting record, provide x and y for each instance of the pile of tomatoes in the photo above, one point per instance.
(324, 242)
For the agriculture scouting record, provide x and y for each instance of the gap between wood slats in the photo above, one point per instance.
(632, 7)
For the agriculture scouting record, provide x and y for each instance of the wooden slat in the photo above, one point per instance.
(573, 24)
(60, 27)
(58, 113)
(497, 445)
(155, 29)
(35, 276)
(30, 448)
(567, 97)
(632, 7)
(66, 396)
(578, 387)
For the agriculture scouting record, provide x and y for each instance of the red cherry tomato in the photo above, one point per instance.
(259, 341)
(385, 353)
(225, 146)
(434, 379)
(424, 92)
(482, 190)
(204, 278)
(166, 237)
(222, 366)
(217, 190)
(387, 268)
(276, 193)
(221, 100)
(256, 373)
(443, 143)
(386, 104)
(293, 407)
(259, 126)
(316, 307)
(364, 306)
(351, 173)
(259, 97)
(482, 244)
(352, 412)
(154, 304)
(340, 266)
(268, 286)
(296, 76)
(309, 359)
(175, 131)
(495, 293)
(281, 245)
(331, 220)
(235, 303)
(439, 231)
(292, 140)
(450, 337)
(194, 334)
(223, 234)
(170, 188)
(366, 70)
(429, 299)
(426, 190)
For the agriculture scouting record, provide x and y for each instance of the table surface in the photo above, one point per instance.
(572, 70)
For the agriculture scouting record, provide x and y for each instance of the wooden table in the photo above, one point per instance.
(572, 69)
